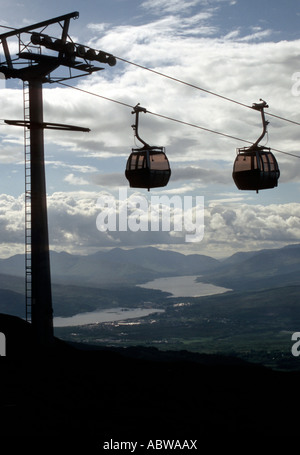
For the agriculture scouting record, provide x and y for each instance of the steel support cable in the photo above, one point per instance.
(195, 87)
(192, 86)
(170, 118)
(202, 89)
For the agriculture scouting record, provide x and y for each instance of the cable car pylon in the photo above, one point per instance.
(35, 68)
(255, 167)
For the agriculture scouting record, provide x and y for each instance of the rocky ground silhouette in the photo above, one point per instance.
(72, 397)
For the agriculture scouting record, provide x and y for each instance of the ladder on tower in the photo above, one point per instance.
(28, 269)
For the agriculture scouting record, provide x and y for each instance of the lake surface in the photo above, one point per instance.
(184, 286)
(178, 286)
(108, 315)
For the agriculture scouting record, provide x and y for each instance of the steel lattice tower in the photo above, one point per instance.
(35, 70)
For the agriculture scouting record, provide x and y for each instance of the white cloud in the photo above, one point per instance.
(11, 154)
(99, 27)
(74, 180)
(11, 220)
(181, 43)
(258, 35)
(228, 226)
(252, 226)
(115, 180)
(182, 6)
(85, 169)
(241, 70)
(169, 6)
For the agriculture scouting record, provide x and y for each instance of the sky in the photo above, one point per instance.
(244, 51)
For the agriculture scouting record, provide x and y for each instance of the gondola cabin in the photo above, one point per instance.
(255, 169)
(148, 168)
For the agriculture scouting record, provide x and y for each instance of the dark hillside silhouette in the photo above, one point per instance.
(73, 398)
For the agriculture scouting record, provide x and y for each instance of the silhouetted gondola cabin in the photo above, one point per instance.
(148, 167)
(255, 168)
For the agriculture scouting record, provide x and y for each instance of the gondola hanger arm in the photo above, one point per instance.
(136, 110)
(260, 107)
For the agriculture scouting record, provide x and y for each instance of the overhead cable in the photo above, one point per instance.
(180, 81)
(170, 118)
(226, 98)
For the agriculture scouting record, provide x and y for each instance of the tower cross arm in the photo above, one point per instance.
(14, 32)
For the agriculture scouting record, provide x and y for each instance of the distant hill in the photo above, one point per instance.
(261, 310)
(76, 279)
(70, 299)
(116, 267)
(120, 267)
(163, 261)
(258, 270)
(12, 303)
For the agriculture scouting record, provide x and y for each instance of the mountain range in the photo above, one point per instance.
(262, 269)
(119, 267)
(109, 279)
(115, 267)
(254, 320)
